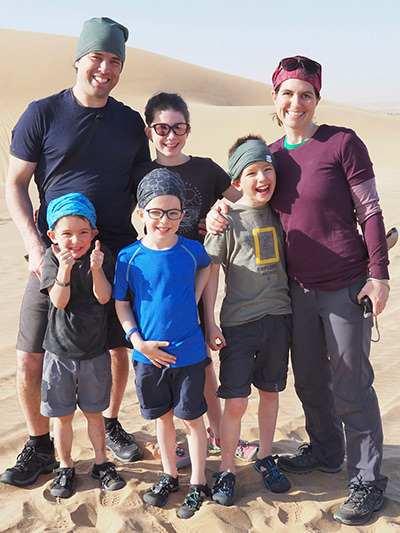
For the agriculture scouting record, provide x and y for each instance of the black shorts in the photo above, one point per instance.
(33, 320)
(161, 389)
(256, 353)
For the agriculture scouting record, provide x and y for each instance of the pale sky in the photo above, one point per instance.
(356, 41)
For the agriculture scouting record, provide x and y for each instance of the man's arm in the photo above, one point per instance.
(20, 207)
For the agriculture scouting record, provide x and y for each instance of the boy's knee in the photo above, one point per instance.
(236, 407)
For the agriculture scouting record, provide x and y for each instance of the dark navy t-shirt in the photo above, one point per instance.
(52, 129)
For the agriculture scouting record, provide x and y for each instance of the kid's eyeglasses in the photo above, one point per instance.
(172, 214)
(292, 63)
(180, 128)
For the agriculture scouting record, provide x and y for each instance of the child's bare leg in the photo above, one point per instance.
(63, 436)
(214, 411)
(267, 415)
(97, 436)
(197, 440)
(166, 439)
(230, 431)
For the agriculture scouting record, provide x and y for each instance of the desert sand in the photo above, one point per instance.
(223, 107)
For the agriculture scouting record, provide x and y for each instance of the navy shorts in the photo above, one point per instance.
(256, 353)
(161, 389)
(67, 383)
(33, 320)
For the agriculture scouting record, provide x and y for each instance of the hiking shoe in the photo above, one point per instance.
(182, 458)
(274, 480)
(245, 451)
(224, 488)
(122, 444)
(359, 506)
(194, 498)
(108, 476)
(31, 462)
(304, 461)
(63, 485)
(159, 492)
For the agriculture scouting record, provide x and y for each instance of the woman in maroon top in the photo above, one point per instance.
(326, 190)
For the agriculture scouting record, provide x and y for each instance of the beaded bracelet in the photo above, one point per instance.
(383, 281)
(128, 335)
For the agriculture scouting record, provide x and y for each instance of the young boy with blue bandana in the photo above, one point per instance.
(255, 315)
(158, 283)
(77, 275)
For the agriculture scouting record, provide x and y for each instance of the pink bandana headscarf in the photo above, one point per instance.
(300, 73)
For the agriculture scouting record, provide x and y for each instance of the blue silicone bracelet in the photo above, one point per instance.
(128, 335)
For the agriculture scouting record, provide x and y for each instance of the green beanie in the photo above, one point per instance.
(102, 34)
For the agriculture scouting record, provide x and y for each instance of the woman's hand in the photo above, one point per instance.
(378, 293)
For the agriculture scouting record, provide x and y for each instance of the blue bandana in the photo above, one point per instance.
(74, 203)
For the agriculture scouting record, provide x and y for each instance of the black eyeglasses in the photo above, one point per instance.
(172, 214)
(292, 63)
(180, 128)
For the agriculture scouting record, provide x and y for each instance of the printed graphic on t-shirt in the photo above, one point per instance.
(193, 201)
(266, 245)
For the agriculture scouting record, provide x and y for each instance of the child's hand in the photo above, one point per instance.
(214, 338)
(96, 257)
(65, 258)
(159, 358)
(215, 220)
(202, 227)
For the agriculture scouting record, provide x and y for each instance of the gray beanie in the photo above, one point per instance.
(102, 34)
(159, 182)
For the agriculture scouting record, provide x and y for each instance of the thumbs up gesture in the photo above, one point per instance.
(65, 257)
(96, 257)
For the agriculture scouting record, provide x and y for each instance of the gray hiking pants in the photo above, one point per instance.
(333, 379)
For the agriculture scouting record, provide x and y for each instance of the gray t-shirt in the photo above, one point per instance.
(80, 330)
(252, 255)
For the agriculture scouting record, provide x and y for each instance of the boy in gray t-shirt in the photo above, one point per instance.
(255, 315)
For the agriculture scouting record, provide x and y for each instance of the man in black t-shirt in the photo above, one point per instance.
(44, 139)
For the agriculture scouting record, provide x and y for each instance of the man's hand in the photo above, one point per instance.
(378, 293)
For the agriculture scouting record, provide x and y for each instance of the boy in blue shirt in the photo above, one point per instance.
(158, 283)
(255, 314)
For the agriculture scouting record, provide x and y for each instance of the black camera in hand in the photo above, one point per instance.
(367, 306)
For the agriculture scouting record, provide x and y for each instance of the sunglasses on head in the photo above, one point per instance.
(180, 128)
(293, 63)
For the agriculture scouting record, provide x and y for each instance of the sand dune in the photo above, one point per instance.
(222, 108)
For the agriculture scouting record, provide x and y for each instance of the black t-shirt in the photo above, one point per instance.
(52, 129)
(80, 330)
(204, 180)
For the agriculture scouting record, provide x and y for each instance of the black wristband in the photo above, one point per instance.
(61, 284)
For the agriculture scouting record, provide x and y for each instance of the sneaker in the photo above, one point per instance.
(245, 451)
(64, 484)
(359, 506)
(159, 492)
(224, 488)
(182, 458)
(274, 480)
(108, 476)
(194, 498)
(304, 461)
(31, 462)
(122, 444)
